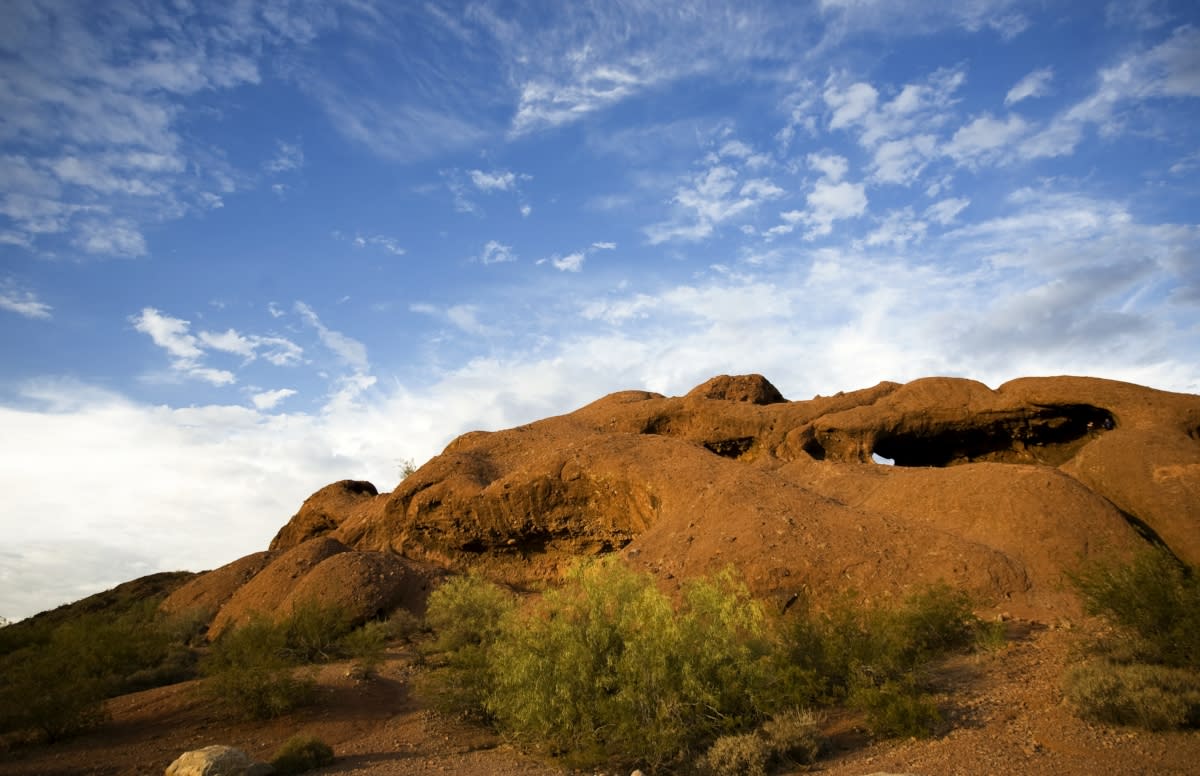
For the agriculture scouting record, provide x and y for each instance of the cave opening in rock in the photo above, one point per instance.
(1049, 435)
(730, 448)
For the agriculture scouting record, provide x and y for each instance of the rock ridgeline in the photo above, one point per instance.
(995, 491)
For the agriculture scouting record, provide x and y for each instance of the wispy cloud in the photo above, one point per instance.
(495, 252)
(1036, 84)
(288, 157)
(573, 262)
(347, 349)
(22, 302)
(268, 400)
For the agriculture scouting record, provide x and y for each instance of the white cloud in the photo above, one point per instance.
(570, 263)
(389, 244)
(946, 211)
(897, 229)
(902, 161)
(985, 139)
(347, 349)
(288, 156)
(850, 105)
(229, 341)
(268, 400)
(1166, 70)
(169, 333)
(111, 238)
(832, 166)
(829, 202)
(495, 252)
(710, 199)
(1036, 84)
(497, 180)
(22, 302)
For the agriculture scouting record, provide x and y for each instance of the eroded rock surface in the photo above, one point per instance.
(996, 491)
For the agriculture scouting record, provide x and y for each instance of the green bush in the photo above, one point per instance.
(794, 735)
(57, 676)
(790, 738)
(465, 615)
(1148, 696)
(301, 753)
(744, 754)
(896, 707)
(1155, 604)
(252, 671)
(604, 667)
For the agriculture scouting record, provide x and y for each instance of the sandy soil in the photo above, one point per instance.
(1005, 715)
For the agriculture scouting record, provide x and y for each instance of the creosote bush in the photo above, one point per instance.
(55, 677)
(607, 669)
(1147, 672)
(255, 669)
(300, 754)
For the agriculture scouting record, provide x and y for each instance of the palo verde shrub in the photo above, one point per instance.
(252, 671)
(1155, 604)
(605, 667)
(300, 754)
(56, 677)
(1148, 696)
(1148, 670)
(465, 615)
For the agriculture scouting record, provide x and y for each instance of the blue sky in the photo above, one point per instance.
(252, 249)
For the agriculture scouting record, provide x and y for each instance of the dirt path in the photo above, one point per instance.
(1005, 715)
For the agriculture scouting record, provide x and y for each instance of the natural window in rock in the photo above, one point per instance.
(1051, 436)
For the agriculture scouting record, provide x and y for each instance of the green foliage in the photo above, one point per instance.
(1148, 673)
(465, 615)
(313, 632)
(743, 754)
(301, 753)
(251, 670)
(1148, 696)
(1155, 604)
(605, 667)
(794, 735)
(896, 707)
(872, 657)
(790, 738)
(56, 676)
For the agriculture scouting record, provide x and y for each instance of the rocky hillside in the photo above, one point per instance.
(995, 491)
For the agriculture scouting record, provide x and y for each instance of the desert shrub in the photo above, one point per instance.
(896, 707)
(313, 632)
(301, 753)
(1148, 696)
(1155, 604)
(605, 667)
(794, 735)
(56, 677)
(465, 615)
(791, 737)
(873, 656)
(252, 671)
(744, 754)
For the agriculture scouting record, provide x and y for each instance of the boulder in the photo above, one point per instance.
(217, 761)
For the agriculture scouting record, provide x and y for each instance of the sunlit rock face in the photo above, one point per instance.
(998, 492)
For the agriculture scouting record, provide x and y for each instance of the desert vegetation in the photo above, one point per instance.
(57, 673)
(608, 668)
(1145, 671)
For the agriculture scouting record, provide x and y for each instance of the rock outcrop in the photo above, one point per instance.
(996, 491)
(217, 760)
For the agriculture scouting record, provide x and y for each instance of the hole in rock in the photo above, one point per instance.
(730, 448)
(1049, 435)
